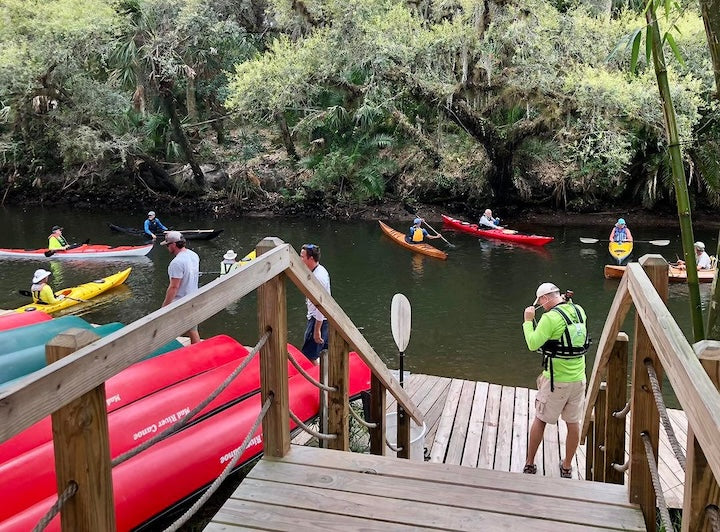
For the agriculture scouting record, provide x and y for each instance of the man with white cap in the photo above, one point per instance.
(184, 272)
(561, 336)
(701, 258)
(417, 234)
(41, 291)
(153, 225)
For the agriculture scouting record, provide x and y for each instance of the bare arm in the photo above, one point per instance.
(317, 333)
(629, 235)
(172, 290)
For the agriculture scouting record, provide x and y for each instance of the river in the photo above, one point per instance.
(466, 311)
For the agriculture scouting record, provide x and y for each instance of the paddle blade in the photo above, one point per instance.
(49, 253)
(589, 240)
(659, 242)
(400, 321)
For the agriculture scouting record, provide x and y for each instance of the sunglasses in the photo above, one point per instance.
(311, 247)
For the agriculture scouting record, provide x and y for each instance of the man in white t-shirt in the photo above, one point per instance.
(316, 332)
(184, 272)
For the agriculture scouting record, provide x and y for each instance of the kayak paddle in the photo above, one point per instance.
(28, 293)
(653, 242)
(400, 324)
(438, 234)
(51, 252)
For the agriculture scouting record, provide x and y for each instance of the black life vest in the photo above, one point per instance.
(154, 226)
(563, 347)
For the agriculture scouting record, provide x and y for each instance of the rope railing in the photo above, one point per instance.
(309, 430)
(309, 377)
(659, 495)
(621, 468)
(65, 496)
(393, 448)
(713, 514)
(622, 414)
(237, 453)
(185, 420)
(360, 420)
(662, 410)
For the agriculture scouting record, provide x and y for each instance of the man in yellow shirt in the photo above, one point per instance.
(56, 240)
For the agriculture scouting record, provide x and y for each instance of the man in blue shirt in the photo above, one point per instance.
(153, 225)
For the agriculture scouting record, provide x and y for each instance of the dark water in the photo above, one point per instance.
(466, 311)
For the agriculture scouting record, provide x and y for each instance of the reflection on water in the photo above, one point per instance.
(417, 265)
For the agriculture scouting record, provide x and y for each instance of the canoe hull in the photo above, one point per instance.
(496, 234)
(422, 247)
(84, 291)
(85, 251)
(675, 275)
(189, 234)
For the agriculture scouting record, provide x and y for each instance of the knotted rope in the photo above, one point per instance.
(185, 420)
(621, 468)
(621, 414)
(660, 402)
(309, 430)
(71, 490)
(237, 453)
(659, 495)
(360, 420)
(309, 377)
(713, 516)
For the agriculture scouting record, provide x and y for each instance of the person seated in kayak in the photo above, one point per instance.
(620, 232)
(228, 263)
(56, 240)
(153, 225)
(488, 222)
(41, 291)
(701, 258)
(417, 234)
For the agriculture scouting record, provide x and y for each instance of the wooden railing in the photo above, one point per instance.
(694, 374)
(73, 385)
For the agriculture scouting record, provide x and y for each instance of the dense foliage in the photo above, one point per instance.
(452, 101)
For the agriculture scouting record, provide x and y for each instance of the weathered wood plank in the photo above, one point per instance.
(460, 426)
(338, 378)
(617, 375)
(505, 427)
(442, 436)
(486, 458)
(520, 430)
(475, 425)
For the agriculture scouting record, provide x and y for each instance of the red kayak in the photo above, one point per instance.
(85, 251)
(508, 235)
(14, 320)
(182, 464)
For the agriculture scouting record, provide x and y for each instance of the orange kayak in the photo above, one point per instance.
(675, 275)
(422, 247)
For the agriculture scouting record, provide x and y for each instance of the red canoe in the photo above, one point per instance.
(497, 234)
(14, 320)
(85, 251)
(174, 469)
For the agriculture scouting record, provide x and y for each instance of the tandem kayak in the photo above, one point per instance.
(620, 250)
(180, 465)
(14, 320)
(79, 294)
(422, 247)
(675, 275)
(508, 235)
(189, 234)
(85, 251)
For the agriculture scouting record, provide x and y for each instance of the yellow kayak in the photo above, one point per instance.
(247, 258)
(620, 250)
(79, 294)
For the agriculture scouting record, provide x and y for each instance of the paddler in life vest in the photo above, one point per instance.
(42, 293)
(56, 240)
(620, 233)
(417, 234)
(228, 263)
(561, 336)
(152, 225)
(488, 222)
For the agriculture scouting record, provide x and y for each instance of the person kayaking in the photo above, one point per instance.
(153, 225)
(620, 232)
(487, 221)
(701, 258)
(41, 291)
(56, 240)
(417, 234)
(228, 263)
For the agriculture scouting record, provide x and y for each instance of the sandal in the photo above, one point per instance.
(565, 473)
(530, 469)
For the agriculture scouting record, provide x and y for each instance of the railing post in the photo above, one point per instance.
(599, 449)
(323, 412)
(378, 407)
(403, 434)
(701, 486)
(589, 446)
(272, 315)
(338, 378)
(616, 399)
(644, 415)
(82, 447)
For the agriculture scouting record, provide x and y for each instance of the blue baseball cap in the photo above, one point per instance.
(621, 221)
(417, 221)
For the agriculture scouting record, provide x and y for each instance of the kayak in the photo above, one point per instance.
(77, 294)
(422, 247)
(189, 234)
(182, 464)
(84, 251)
(14, 320)
(675, 275)
(509, 235)
(620, 250)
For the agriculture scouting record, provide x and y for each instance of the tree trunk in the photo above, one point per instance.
(190, 99)
(159, 173)
(711, 16)
(171, 109)
(678, 173)
(285, 135)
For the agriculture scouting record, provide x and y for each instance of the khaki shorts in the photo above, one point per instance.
(568, 399)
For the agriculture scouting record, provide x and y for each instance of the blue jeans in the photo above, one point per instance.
(310, 348)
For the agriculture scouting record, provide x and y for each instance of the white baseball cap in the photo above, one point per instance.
(151, 213)
(172, 237)
(40, 274)
(545, 289)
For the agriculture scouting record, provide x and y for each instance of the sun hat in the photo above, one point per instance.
(700, 245)
(545, 289)
(56, 228)
(40, 274)
(172, 237)
(417, 221)
(230, 255)
(621, 221)
(151, 213)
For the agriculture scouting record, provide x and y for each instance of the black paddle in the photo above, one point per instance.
(51, 252)
(28, 293)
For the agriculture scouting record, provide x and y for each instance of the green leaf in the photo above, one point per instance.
(648, 44)
(674, 48)
(637, 37)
